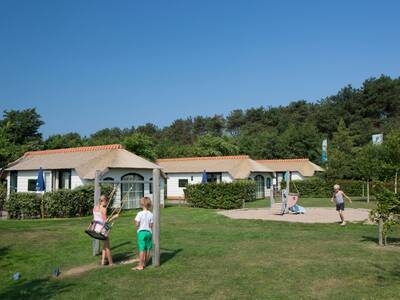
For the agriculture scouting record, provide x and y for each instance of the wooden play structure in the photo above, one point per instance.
(108, 225)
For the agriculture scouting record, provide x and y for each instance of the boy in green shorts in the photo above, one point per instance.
(144, 225)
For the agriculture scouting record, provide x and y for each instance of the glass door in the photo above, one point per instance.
(260, 187)
(134, 191)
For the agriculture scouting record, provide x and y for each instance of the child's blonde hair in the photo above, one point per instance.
(145, 202)
(336, 187)
(103, 198)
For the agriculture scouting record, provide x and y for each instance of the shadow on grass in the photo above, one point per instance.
(3, 259)
(390, 240)
(120, 257)
(35, 289)
(167, 254)
(120, 245)
(386, 275)
(4, 251)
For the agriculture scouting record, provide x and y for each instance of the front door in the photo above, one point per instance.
(260, 187)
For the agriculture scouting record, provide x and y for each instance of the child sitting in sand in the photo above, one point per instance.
(144, 226)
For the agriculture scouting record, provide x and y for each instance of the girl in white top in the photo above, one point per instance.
(144, 226)
(100, 217)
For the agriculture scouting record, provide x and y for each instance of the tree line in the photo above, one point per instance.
(347, 119)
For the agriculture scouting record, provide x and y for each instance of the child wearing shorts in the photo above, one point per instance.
(144, 226)
(338, 197)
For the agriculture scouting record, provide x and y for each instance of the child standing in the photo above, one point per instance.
(339, 196)
(144, 226)
(100, 218)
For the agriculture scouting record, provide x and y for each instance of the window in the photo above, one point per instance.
(214, 177)
(13, 181)
(268, 182)
(134, 186)
(151, 186)
(260, 184)
(183, 183)
(64, 179)
(32, 185)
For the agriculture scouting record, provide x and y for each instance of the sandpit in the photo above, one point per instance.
(312, 215)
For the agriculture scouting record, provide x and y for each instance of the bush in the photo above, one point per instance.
(57, 204)
(60, 204)
(319, 188)
(23, 205)
(71, 203)
(3, 195)
(387, 211)
(221, 195)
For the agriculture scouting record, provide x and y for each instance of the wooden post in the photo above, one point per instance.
(271, 195)
(287, 192)
(380, 232)
(156, 216)
(362, 184)
(97, 193)
(368, 191)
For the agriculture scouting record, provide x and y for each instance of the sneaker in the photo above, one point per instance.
(343, 223)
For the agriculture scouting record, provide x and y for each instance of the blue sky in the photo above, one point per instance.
(87, 65)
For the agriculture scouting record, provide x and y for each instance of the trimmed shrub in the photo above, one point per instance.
(57, 204)
(319, 188)
(71, 203)
(3, 195)
(221, 195)
(23, 205)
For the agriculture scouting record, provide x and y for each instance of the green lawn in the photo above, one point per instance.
(204, 256)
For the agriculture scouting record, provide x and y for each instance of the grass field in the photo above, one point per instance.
(204, 256)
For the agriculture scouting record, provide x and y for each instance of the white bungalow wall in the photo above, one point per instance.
(8, 184)
(294, 175)
(176, 192)
(24, 176)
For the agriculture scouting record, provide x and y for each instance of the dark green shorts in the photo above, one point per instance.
(340, 206)
(144, 238)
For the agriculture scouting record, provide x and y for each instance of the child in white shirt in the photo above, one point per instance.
(144, 226)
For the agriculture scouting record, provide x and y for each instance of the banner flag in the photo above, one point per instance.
(377, 139)
(324, 157)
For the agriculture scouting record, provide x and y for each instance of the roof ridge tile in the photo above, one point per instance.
(283, 160)
(76, 149)
(204, 158)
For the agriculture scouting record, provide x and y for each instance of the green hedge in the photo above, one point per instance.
(23, 205)
(221, 195)
(3, 195)
(319, 188)
(57, 204)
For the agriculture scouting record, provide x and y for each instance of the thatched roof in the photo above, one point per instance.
(239, 167)
(85, 160)
(302, 165)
